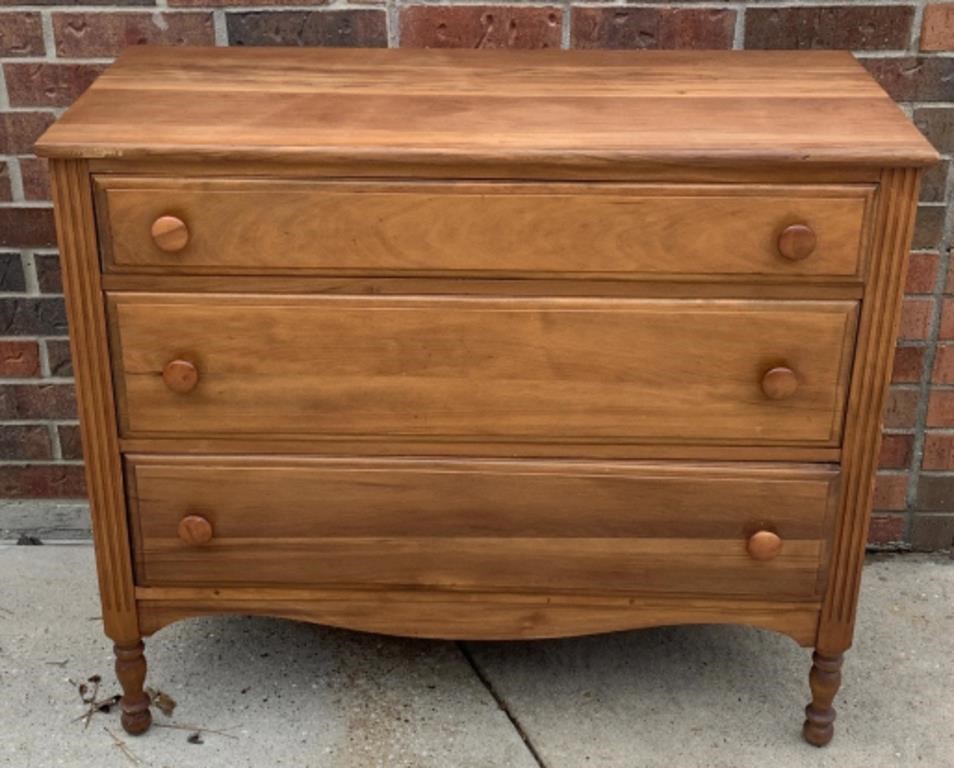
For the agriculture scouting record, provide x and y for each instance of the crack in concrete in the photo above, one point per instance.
(485, 681)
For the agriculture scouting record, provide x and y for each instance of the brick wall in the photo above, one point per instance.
(52, 49)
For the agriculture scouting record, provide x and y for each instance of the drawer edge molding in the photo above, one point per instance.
(460, 228)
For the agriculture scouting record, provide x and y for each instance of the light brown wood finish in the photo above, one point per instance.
(169, 234)
(258, 226)
(319, 445)
(195, 530)
(180, 376)
(473, 615)
(824, 680)
(79, 260)
(632, 528)
(647, 287)
(764, 545)
(483, 368)
(531, 113)
(881, 315)
(759, 201)
(797, 242)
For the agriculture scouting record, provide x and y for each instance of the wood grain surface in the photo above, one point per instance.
(255, 226)
(565, 526)
(544, 109)
(474, 615)
(482, 368)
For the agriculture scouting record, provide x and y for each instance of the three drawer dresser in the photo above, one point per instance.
(467, 344)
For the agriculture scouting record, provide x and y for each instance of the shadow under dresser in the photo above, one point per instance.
(483, 345)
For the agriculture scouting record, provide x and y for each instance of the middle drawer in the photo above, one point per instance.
(482, 369)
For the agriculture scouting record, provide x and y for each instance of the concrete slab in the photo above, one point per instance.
(290, 694)
(296, 694)
(732, 697)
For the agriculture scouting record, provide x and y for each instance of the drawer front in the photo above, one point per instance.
(481, 369)
(509, 525)
(249, 226)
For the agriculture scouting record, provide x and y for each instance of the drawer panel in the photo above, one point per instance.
(481, 369)
(482, 524)
(612, 230)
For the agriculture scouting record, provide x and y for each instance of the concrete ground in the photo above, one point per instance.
(287, 694)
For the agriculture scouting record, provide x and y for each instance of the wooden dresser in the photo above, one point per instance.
(483, 345)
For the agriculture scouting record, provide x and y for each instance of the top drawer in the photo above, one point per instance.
(249, 226)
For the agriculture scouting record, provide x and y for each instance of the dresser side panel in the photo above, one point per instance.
(76, 234)
(880, 318)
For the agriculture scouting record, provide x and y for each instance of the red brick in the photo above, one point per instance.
(58, 355)
(890, 492)
(26, 402)
(43, 481)
(27, 227)
(935, 493)
(895, 451)
(43, 3)
(25, 442)
(938, 451)
(943, 372)
(922, 272)
(908, 365)
(937, 30)
(652, 28)
(946, 330)
(901, 408)
(45, 84)
(930, 533)
(916, 315)
(934, 182)
(913, 78)
(480, 26)
(886, 530)
(19, 130)
(36, 178)
(941, 408)
(98, 35)
(6, 191)
(929, 226)
(240, 3)
(937, 124)
(71, 445)
(856, 27)
(19, 359)
(32, 316)
(12, 279)
(48, 275)
(21, 34)
(949, 279)
(359, 28)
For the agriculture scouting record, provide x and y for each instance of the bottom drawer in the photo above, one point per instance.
(550, 526)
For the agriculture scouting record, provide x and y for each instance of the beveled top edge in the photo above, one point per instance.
(404, 107)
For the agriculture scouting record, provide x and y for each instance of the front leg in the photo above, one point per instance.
(131, 672)
(824, 679)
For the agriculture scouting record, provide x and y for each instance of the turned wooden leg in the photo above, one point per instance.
(824, 679)
(131, 672)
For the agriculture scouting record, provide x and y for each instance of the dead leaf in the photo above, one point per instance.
(162, 700)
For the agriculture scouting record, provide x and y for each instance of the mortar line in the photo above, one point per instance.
(485, 681)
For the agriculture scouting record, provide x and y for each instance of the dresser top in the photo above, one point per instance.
(465, 107)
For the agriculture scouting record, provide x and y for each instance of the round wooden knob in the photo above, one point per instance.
(195, 530)
(180, 376)
(797, 242)
(779, 383)
(764, 545)
(170, 233)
